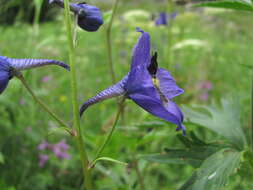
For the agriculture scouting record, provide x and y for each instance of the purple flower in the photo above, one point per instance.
(45, 79)
(60, 154)
(204, 96)
(149, 86)
(43, 158)
(62, 144)
(44, 145)
(7, 65)
(60, 149)
(164, 18)
(89, 17)
(206, 85)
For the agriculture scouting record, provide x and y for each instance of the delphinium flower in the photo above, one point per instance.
(89, 17)
(164, 18)
(148, 85)
(59, 149)
(8, 66)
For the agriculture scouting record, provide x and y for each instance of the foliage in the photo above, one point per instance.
(215, 153)
(239, 5)
(224, 120)
(24, 11)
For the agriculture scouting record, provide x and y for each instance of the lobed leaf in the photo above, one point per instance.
(214, 172)
(224, 120)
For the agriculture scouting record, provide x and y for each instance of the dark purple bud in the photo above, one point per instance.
(89, 17)
(162, 19)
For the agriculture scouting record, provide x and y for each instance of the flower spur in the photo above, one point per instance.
(9, 66)
(149, 86)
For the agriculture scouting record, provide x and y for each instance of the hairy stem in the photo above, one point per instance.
(77, 126)
(109, 43)
(108, 138)
(42, 104)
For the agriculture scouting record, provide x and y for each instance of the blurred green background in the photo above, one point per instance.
(208, 53)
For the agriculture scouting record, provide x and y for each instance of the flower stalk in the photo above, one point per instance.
(169, 55)
(252, 113)
(139, 176)
(108, 138)
(42, 104)
(77, 126)
(109, 42)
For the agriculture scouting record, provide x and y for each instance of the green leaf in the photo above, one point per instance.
(1, 158)
(110, 160)
(246, 165)
(152, 124)
(195, 153)
(246, 65)
(193, 156)
(224, 120)
(60, 130)
(214, 172)
(235, 5)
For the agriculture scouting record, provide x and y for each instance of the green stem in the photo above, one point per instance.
(101, 148)
(77, 126)
(140, 177)
(169, 56)
(42, 104)
(252, 112)
(109, 42)
(38, 6)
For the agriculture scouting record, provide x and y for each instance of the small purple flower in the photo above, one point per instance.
(43, 158)
(60, 149)
(206, 85)
(62, 144)
(22, 101)
(89, 17)
(46, 79)
(164, 18)
(204, 96)
(44, 145)
(149, 86)
(7, 65)
(60, 154)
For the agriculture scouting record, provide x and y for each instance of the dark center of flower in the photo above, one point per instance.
(152, 68)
